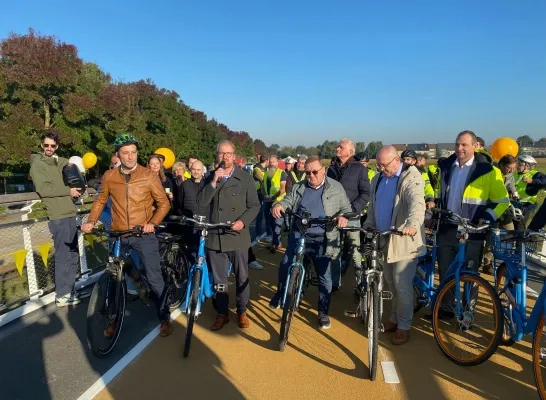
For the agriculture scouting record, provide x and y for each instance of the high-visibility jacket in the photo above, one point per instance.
(433, 172)
(187, 174)
(258, 175)
(525, 195)
(295, 177)
(275, 185)
(484, 195)
(429, 191)
(371, 173)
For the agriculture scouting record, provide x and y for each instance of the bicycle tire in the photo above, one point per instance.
(363, 303)
(539, 382)
(505, 339)
(498, 317)
(373, 328)
(192, 309)
(105, 289)
(177, 281)
(288, 308)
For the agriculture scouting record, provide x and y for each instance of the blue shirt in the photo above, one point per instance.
(384, 200)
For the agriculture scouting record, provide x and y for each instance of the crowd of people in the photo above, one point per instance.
(398, 192)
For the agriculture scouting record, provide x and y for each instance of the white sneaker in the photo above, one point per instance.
(67, 300)
(132, 292)
(255, 265)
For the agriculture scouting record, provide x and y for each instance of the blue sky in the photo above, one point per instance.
(305, 71)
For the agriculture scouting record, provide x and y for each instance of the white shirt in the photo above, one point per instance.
(457, 183)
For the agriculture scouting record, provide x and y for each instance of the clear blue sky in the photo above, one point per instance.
(305, 71)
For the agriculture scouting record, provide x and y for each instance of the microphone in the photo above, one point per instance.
(222, 165)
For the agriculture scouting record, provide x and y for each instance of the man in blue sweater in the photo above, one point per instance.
(322, 197)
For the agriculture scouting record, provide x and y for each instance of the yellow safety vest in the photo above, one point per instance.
(187, 174)
(275, 185)
(521, 187)
(296, 180)
(371, 173)
(429, 191)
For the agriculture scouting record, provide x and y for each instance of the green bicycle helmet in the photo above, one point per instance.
(124, 139)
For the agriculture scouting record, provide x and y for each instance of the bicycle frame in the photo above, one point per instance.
(516, 291)
(427, 289)
(300, 252)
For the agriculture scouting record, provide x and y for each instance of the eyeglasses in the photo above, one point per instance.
(49, 146)
(308, 173)
(382, 167)
(227, 154)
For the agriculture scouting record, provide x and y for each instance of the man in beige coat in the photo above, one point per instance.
(397, 201)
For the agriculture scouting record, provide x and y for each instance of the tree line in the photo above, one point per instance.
(326, 150)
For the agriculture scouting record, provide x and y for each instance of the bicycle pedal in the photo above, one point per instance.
(221, 288)
(386, 295)
(349, 313)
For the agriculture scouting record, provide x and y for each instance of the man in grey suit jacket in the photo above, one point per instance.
(232, 197)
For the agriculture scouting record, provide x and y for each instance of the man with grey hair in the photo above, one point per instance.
(231, 194)
(353, 176)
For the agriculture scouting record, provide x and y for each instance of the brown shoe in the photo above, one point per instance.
(390, 327)
(111, 329)
(219, 322)
(401, 336)
(165, 329)
(243, 321)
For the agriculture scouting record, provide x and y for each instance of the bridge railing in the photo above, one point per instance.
(27, 262)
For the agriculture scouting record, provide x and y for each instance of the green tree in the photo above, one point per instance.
(525, 141)
(373, 148)
(360, 147)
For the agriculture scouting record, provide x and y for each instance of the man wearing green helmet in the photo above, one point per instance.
(135, 190)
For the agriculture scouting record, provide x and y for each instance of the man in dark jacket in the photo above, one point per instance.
(353, 176)
(232, 196)
(46, 173)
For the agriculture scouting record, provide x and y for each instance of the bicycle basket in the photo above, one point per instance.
(510, 250)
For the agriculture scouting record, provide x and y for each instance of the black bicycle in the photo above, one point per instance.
(369, 288)
(109, 296)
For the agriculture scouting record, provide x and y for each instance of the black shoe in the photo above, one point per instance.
(324, 322)
(275, 302)
(335, 289)
(443, 315)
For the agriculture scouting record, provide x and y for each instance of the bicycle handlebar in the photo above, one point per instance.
(349, 215)
(136, 231)
(520, 235)
(183, 219)
(375, 232)
(464, 222)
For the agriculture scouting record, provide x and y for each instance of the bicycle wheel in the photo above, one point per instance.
(477, 329)
(102, 338)
(539, 355)
(501, 282)
(192, 309)
(373, 328)
(289, 307)
(176, 269)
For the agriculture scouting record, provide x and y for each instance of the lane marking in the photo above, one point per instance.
(389, 372)
(105, 379)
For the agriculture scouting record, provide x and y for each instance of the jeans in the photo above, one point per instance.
(65, 240)
(350, 254)
(147, 249)
(273, 225)
(315, 248)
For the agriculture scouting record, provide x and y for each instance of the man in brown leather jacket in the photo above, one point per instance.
(135, 190)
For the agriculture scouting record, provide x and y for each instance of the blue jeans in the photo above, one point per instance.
(315, 249)
(272, 225)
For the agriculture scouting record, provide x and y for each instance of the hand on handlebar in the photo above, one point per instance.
(237, 225)
(148, 228)
(277, 211)
(341, 222)
(409, 231)
(87, 227)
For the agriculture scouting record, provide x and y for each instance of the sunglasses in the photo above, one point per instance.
(308, 173)
(49, 146)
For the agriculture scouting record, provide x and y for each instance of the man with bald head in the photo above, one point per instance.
(397, 201)
(353, 176)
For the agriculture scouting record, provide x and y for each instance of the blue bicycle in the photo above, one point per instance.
(463, 291)
(200, 283)
(512, 248)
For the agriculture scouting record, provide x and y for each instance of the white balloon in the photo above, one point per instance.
(77, 160)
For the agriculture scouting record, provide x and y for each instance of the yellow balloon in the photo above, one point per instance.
(89, 160)
(503, 146)
(169, 156)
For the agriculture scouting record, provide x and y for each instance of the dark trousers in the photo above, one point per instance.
(315, 249)
(259, 228)
(527, 209)
(147, 249)
(219, 264)
(448, 246)
(65, 240)
(539, 220)
(251, 256)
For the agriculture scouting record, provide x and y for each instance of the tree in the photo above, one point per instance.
(525, 141)
(327, 149)
(373, 148)
(360, 147)
(259, 147)
(286, 151)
